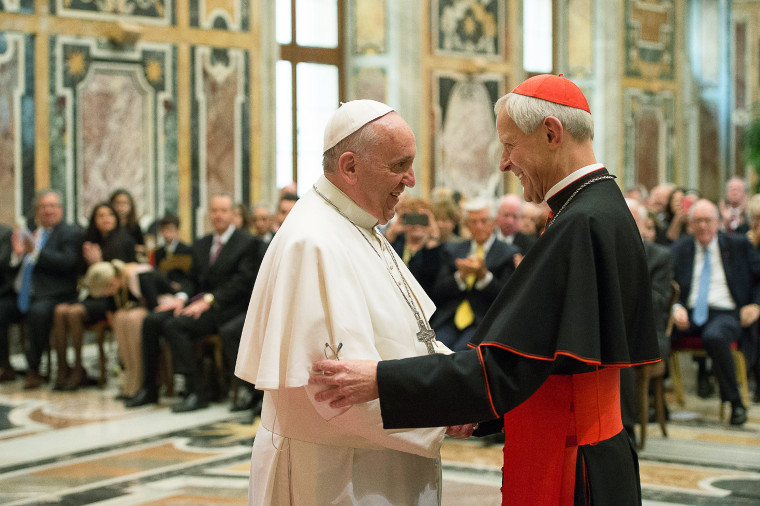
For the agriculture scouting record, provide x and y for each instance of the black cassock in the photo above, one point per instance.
(579, 306)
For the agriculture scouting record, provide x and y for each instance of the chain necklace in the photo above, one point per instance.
(425, 334)
(590, 181)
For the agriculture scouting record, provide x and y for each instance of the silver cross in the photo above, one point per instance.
(426, 335)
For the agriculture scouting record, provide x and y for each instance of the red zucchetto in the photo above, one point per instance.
(555, 89)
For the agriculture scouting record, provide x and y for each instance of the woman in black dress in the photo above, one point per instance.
(105, 240)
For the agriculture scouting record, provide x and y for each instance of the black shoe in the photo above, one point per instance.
(141, 398)
(705, 388)
(738, 414)
(756, 397)
(189, 403)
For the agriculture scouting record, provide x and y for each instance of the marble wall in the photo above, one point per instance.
(172, 99)
(16, 124)
(111, 124)
(124, 94)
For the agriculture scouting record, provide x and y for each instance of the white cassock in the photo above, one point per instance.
(320, 283)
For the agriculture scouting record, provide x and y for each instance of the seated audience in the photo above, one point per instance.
(121, 200)
(677, 214)
(507, 223)
(242, 217)
(471, 275)
(136, 289)
(753, 234)
(262, 222)
(637, 192)
(733, 207)
(173, 259)
(753, 210)
(719, 276)
(657, 203)
(417, 240)
(47, 276)
(248, 398)
(218, 288)
(660, 267)
(287, 201)
(446, 214)
(7, 298)
(105, 240)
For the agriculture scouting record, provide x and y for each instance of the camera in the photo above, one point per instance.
(414, 219)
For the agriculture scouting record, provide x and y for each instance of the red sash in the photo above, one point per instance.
(542, 435)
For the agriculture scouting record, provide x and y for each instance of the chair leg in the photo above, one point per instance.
(740, 365)
(642, 391)
(659, 402)
(100, 337)
(675, 376)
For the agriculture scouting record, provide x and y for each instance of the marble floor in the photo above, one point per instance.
(85, 448)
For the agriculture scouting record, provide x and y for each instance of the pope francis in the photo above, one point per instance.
(331, 286)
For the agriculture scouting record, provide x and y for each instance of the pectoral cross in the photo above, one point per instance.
(426, 335)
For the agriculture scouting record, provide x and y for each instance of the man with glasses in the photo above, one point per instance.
(46, 259)
(719, 276)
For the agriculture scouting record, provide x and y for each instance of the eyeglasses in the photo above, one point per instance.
(703, 220)
(334, 351)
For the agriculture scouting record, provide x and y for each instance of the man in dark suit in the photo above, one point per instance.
(217, 289)
(507, 221)
(719, 275)
(472, 274)
(46, 260)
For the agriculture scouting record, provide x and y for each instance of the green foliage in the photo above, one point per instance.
(752, 148)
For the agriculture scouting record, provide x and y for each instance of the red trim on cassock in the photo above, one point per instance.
(488, 388)
(542, 435)
(586, 360)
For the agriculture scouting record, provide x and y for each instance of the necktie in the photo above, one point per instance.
(25, 291)
(701, 307)
(464, 317)
(215, 251)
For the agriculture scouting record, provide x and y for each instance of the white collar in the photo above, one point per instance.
(343, 202)
(573, 176)
(224, 237)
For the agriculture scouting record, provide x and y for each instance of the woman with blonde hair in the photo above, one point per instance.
(136, 289)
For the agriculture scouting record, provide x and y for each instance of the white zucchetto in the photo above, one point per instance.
(350, 117)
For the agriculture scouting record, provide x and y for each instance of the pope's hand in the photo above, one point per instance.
(460, 431)
(351, 381)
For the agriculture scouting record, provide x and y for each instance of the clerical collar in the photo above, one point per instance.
(571, 178)
(351, 209)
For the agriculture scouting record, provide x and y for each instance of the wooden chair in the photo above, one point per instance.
(166, 369)
(214, 342)
(654, 373)
(211, 341)
(693, 346)
(102, 330)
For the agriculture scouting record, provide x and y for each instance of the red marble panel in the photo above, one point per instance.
(222, 130)
(115, 145)
(9, 75)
